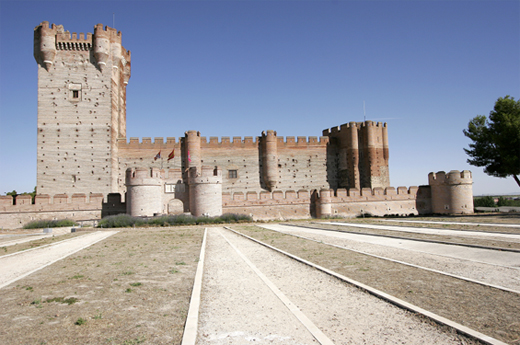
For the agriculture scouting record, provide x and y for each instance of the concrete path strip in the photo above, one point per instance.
(446, 232)
(189, 336)
(451, 223)
(19, 265)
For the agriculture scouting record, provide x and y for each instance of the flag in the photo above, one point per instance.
(171, 155)
(157, 156)
(189, 159)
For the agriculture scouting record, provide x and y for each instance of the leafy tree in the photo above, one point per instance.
(496, 141)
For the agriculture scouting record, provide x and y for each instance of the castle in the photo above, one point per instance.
(85, 160)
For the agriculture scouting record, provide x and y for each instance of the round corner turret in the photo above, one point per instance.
(144, 191)
(451, 193)
(205, 192)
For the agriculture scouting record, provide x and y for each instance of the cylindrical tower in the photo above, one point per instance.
(386, 154)
(371, 150)
(270, 158)
(353, 156)
(193, 152)
(45, 44)
(101, 46)
(324, 208)
(205, 191)
(144, 192)
(452, 193)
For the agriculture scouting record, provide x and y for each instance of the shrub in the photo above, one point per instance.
(37, 224)
(124, 220)
(485, 201)
(120, 221)
(80, 321)
(235, 218)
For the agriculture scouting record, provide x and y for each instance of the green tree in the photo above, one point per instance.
(496, 141)
(13, 193)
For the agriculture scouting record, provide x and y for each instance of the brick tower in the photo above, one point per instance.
(81, 108)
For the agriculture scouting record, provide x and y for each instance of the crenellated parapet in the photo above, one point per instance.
(105, 43)
(45, 202)
(454, 177)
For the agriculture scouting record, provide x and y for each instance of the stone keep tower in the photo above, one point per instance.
(452, 193)
(81, 108)
(362, 154)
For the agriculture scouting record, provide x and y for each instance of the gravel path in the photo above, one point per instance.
(508, 277)
(238, 308)
(21, 264)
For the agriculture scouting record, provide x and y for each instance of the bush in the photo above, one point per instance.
(235, 218)
(37, 224)
(124, 220)
(485, 201)
(120, 221)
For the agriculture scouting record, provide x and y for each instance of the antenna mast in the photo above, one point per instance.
(364, 112)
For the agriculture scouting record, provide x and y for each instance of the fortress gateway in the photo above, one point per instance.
(86, 164)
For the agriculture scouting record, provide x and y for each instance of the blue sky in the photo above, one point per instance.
(236, 68)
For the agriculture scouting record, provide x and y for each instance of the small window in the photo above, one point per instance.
(232, 174)
(75, 92)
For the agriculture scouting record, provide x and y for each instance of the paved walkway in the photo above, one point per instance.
(20, 264)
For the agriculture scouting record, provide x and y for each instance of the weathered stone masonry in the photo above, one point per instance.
(87, 163)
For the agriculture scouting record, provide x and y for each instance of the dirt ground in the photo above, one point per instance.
(490, 311)
(135, 286)
(131, 288)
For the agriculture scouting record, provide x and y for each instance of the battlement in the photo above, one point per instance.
(216, 142)
(144, 177)
(24, 202)
(454, 177)
(262, 198)
(339, 196)
(334, 131)
(114, 35)
(48, 39)
(147, 143)
(204, 175)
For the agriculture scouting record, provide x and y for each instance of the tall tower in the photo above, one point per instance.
(81, 108)
(362, 154)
